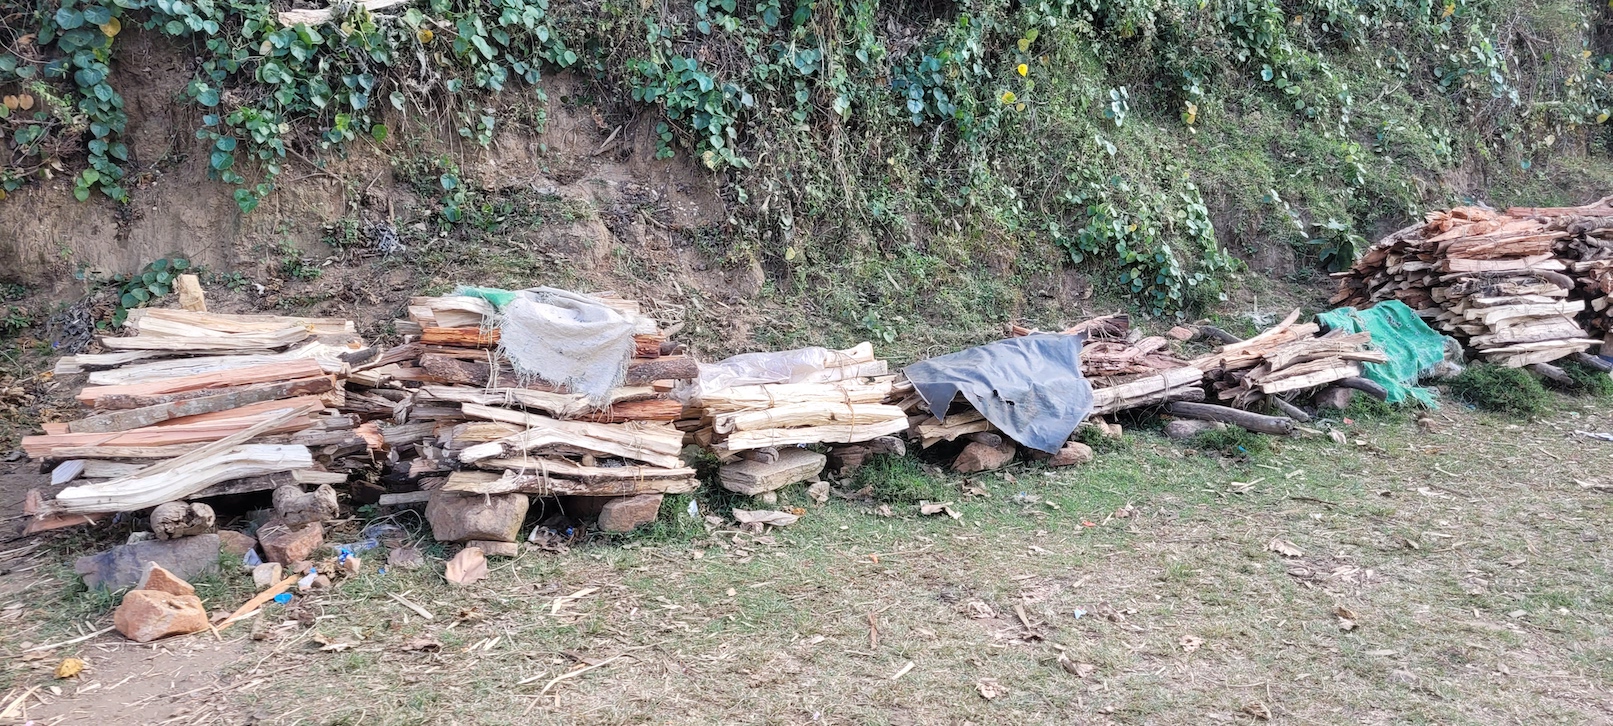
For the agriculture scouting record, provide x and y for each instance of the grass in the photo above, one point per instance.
(1150, 544)
(1232, 441)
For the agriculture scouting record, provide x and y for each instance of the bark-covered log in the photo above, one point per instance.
(1371, 388)
(1278, 425)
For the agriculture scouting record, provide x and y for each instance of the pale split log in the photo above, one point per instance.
(328, 356)
(216, 342)
(143, 320)
(652, 443)
(832, 434)
(1143, 391)
(1334, 370)
(142, 489)
(173, 432)
(742, 398)
(546, 485)
(807, 414)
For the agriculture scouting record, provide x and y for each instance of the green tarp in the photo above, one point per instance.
(1411, 345)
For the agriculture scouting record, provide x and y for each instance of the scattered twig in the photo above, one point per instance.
(79, 639)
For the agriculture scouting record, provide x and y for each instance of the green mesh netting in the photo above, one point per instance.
(1411, 345)
(499, 298)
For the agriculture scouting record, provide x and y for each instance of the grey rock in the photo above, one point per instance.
(123, 566)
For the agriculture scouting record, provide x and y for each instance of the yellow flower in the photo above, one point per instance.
(1023, 69)
(1008, 97)
(1450, 8)
(424, 34)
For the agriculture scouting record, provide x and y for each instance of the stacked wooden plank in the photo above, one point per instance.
(1286, 358)
(1488, 278)
(196, 404)
(460, 419)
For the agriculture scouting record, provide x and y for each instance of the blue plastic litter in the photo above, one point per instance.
(283, 598)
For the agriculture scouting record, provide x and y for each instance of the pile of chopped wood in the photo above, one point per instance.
(195, 405)
(1285, 359)
(1489, 278)
(462, 420)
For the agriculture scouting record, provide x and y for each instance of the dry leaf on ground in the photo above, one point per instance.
(930, 508)
(1258, 710)
(1284, 547)
(1347, 618)
(990, 689)
(765, 516)
(977, 610)
(69, 667)
(424, 645)
(1190, 643)
(467, 567)
(1079, 670)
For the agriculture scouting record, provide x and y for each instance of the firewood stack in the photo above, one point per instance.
(461, 419)
(1589, 254)
(1286, 358)
(1488, 278)
(195, 405)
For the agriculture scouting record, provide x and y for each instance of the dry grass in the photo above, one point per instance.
(1473, 561)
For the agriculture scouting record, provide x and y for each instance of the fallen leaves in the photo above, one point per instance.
(326, 645)
(467, 567)
(423, 645)
(69, 667)
(1079, 670)
(933, 508)
(1284, 547)
(1347, 618)
(990, 689)
(977, 610)
(1258, 710)
(755, 519)
(1190, 643)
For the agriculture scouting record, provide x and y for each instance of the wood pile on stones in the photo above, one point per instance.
(474, 438)
(1502, 282)
(195, 405)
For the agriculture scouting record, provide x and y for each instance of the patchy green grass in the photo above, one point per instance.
(1476, 568)
(1491, 387)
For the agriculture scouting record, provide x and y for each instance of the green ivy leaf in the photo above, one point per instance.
(69, 19)
(129, 300)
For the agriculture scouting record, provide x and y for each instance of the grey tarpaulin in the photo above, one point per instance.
(1031, 388)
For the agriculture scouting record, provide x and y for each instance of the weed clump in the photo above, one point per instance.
(1500, 389)
(1366, 408)
(1232, 441)
(900, 480)
(1101, 444)
(1588, 381)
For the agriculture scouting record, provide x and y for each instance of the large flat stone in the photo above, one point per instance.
(624, 514)
(123, 566)
(757, 477)
(464, 517)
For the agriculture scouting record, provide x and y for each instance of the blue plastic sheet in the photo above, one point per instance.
(1030, 388)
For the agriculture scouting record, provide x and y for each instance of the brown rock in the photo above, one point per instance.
(285, 544)
(978, 457)
(147, 615)
(161, 580)
(624, 514)
(1182, 333)
(458, 518)
(236, 543)
(495, 549)
(173, 520)
(1074, 452)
